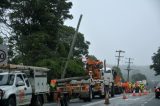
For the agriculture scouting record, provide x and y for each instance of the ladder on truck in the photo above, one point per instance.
(13, 67)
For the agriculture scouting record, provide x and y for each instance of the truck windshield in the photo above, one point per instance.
(6, 79)
(107, 71)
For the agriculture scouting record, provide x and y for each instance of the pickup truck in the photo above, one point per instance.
(23, 85)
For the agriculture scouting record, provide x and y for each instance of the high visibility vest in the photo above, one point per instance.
(53, 84)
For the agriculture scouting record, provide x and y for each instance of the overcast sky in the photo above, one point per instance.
(110, 25)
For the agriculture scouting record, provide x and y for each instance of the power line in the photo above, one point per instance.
(119, 56)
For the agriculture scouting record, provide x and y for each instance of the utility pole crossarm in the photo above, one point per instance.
(119, 56)
(129, 66)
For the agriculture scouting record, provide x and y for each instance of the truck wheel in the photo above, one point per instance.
(11, 102)
(156, 96)
(62, 102)
(90, 96)
(39, 101)
(112, 90)
(85, 100)
(102, 96)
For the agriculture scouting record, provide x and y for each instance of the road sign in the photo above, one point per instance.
(3, 54)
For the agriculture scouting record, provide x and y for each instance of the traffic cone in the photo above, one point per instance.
(150, 90)
(140, 94)
(106, 99)
(124, 95)
(145, 92)
(133, 94)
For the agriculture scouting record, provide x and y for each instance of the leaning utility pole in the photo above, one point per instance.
(119, 56)
(71, 49)
(129, 67)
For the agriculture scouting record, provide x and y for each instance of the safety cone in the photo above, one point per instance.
(124, 95)
(133, 94)
(145, 92)
(140, 94)
(106, 99)
(150, 90)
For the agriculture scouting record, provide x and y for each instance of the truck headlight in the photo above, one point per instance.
(1, 93)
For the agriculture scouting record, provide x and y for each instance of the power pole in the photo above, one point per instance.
(129, 67)
(71, 49)
(119, 56)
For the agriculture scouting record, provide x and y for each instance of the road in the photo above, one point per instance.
(144, 100)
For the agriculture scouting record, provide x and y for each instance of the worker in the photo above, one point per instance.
(141, 87)
(53, 85)
(53, 88)
(58, 98)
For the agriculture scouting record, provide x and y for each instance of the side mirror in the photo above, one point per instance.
(102, 74)
(20, 83)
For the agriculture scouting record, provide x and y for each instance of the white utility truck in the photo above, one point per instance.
(23, 85)
(109, 80)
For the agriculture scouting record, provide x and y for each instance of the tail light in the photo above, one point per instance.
(157, 90)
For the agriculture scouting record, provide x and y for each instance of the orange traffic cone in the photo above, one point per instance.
(145, 92)
(106, 99)
(140, 94)
(133, 94)
(124, 95)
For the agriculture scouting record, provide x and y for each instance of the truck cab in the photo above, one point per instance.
(15, 89)
(23, 85)
(107, 75)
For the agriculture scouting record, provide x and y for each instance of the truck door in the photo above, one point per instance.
(28, 89)
(20, 90)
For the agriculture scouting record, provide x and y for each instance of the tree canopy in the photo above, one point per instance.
(138, 77)
(35, 25)
(156, 62)
(4, 4)
(39, 36)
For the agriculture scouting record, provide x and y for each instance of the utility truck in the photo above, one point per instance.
(96, 82)
(23, 85)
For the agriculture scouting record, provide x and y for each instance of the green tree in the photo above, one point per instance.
(156, 62)
(36, 24)
(65, 39)
(92, 57)
(41, 39)
(138, 77)
(4, 5)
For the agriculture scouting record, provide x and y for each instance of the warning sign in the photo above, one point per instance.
(3, 54)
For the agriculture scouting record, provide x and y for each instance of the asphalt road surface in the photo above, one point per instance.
(144, 100)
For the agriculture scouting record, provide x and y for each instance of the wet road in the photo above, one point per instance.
(144, 100)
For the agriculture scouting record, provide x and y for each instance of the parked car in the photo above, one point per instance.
(157, 91)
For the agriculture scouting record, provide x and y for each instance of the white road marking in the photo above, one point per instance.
(102, 101)
(150, 98)
(133, 99)
(147, 101)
